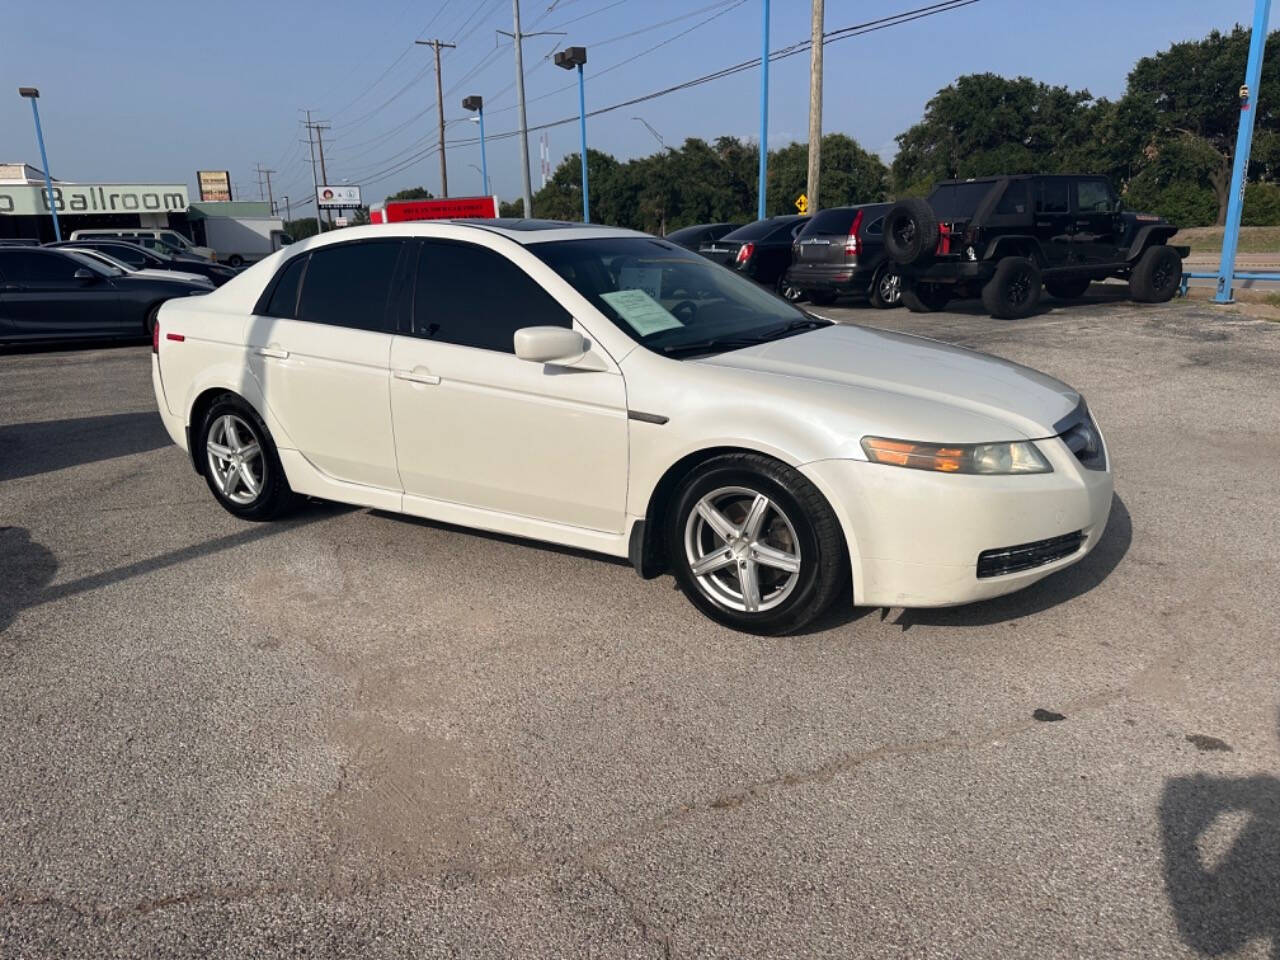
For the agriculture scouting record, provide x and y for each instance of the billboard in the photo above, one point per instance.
(337, 198)
(215, 185)
(31, 199)
(448, 208)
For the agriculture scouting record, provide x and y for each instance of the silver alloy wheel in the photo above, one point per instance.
(889, 286)
(235, 459)
(742, 549)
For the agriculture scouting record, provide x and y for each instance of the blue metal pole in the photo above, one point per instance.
(484, 164)
(1244, 141)
(582, 123)
(44, 162)
(764, 114)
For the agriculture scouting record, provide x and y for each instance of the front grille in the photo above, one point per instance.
(1028, 556)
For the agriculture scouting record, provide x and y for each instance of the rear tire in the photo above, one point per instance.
(1068, 288)
(1157, 275)
(925, 297)
(886, 288)
(770, 551)
(240, 462)
(789, 291)
(1013, 292)
(821, 298)
(236, 261)
(911, 231)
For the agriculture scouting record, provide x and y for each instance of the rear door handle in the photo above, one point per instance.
(275, 352)
(416, 375)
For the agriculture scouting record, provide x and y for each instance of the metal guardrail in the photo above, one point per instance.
(1190, 275)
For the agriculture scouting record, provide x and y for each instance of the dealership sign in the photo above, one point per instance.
(446, 208)
(338, 197)
(215, 185)
(32, 200)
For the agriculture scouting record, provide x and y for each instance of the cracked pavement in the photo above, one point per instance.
(355, 734)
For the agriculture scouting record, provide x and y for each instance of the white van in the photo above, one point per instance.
(161, 239)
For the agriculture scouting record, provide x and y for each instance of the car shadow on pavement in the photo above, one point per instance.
(1057, 588)
(29, 449)
(1221, 905)
(1098, 295)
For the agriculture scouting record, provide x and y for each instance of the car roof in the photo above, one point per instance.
(522, 231)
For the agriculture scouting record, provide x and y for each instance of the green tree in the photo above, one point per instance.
(849, 174)
(412, 193)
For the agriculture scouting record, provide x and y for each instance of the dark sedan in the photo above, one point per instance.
(692, 238)
(140, 258)
(761, 251)
(841, 251)
(59, 295)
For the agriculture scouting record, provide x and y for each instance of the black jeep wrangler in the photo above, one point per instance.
(1002, 237)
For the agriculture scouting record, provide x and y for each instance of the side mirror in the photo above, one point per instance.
(549, 344)
(85, 276)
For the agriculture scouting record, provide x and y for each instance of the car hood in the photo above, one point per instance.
(888, 363)
(176, 275)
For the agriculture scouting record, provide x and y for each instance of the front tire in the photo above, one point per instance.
(240, 462)
(1013, 292)
(1157, 275)
(754, 545)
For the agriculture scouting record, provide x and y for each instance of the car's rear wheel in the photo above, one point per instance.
(1156, 276)
(789, 291)
(1013, 291)
(1067, 288)
(754, 545)
(236, 261)
(924, 297)
(241, 465)
(821, 298)
(886, 288)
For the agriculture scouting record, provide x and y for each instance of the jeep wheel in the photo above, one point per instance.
(925, 297)
(910, 231)
(1014, 290)
(1068, 288)
(1157, 275)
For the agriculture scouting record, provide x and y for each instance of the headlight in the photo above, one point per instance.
(1019, 456)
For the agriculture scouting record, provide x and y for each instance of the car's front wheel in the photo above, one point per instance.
(754, 545)
(1156, 276)
(240, 464)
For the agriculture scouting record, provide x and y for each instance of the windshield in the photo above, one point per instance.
(89, 263)
(104, 259)
(668, 299)
(175, 240)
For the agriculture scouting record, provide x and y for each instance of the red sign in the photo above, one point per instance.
(450, 208)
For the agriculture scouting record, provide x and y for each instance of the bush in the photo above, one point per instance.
(1181, 202)
(1261, 205)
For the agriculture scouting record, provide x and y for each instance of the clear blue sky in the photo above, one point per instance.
(151, 91)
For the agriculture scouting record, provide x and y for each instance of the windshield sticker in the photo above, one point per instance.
(641, 312)
(648, 279)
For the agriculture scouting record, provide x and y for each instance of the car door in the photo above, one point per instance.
(1098, 225)
(45, 299)
(1051, 197)
(318, 344)
(477, 426)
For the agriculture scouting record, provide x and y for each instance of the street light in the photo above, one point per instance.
(476, 105)
(32, 94)
(484, 184)
(569, 58)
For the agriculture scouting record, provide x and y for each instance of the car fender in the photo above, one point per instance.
(1016, 245)
(1149, 235)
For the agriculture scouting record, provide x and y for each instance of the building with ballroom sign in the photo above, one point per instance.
(24, 204)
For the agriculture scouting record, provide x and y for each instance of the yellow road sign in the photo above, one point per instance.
(802, 204)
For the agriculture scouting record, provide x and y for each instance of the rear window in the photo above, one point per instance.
(836, 220)
(958, 201)
(757, 231)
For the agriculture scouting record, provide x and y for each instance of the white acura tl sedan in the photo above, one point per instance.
(610, 391)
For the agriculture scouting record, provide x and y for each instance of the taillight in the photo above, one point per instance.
(744, 253)
(155, 336)
(851, 247)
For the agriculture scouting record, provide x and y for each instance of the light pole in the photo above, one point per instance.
(656, 135)
(32, 94)
(569, 58)
(476, 104)
(484, 183)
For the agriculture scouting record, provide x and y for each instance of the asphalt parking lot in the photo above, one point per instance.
(354, 734)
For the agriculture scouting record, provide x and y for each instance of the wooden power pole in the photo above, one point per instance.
(444, 170)
(815, 107)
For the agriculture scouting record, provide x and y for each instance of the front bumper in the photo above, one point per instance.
(915, 537)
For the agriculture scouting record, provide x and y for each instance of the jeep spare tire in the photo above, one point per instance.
(911, 231)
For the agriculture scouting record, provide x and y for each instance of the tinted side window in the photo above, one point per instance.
(958, 201)
(284, 298)
(1051, 196)
(1093, 196)
(874, 228)
(475, 297)
(134, 257)
(40, 267)
(1014, 200)
(347, 285)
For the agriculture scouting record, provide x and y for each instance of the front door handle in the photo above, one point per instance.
(417, 375)
(274, 352)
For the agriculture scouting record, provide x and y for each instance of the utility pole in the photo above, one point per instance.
(444, 170)
(288, 210)
(320, 126)
(518, 39)
(815, 107)
(315, 184)
(262, 171)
